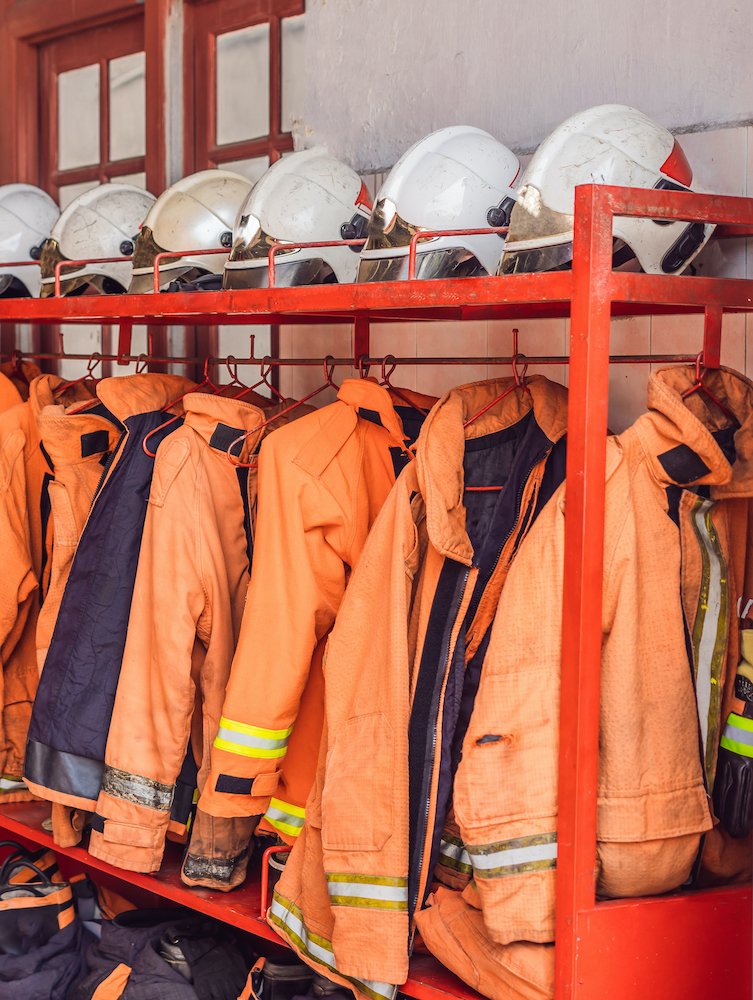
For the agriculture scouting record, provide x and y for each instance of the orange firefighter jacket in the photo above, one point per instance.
(402, 664)
(183, 627)
(25, 534)
(677, 564)
(77, 445)
(68, 729)
(322, 482)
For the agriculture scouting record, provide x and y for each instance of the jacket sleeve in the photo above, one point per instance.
(17, 580)
(297, 582)
(18, 604)
(150, 727)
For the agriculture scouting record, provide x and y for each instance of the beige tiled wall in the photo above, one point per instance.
(722, 161)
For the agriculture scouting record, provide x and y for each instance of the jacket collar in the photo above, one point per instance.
(690, 442)
(441, 447)
(377, 403)
(221, 420)
(42, 394)
(72, 438)
(129, 395)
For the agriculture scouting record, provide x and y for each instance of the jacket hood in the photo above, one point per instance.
(691, 442)
(377, 402)
(441, 447)
(128, 395)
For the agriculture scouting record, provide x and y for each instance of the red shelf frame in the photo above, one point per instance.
(686, 946)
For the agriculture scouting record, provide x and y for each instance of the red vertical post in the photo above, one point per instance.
(583, 568)
(712, 336)
(361, 337)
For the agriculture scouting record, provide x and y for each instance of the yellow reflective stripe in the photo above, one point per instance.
(739, 748)
(740, 722)
(377, 892)
(286, 817)
(397, 880)
(245, 751)
(287, 807)
(266, 734)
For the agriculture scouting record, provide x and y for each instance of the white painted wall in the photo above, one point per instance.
(382, 73)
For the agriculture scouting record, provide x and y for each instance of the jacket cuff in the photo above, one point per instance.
(228, 796)
(128, 835)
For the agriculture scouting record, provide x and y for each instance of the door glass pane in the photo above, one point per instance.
(138, 180)
(292, 70)
(127, 81)
(70, 191)
(78, 117)
(242, 84)
(253, 169)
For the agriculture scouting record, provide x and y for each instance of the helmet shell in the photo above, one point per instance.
(27, 215)
(450, 179)
(196, 213)
(609, 144)
(305, 197)
(101, 222)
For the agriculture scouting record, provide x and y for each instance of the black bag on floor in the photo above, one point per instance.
(41, 937)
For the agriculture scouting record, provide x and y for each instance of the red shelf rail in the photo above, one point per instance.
(687, 946)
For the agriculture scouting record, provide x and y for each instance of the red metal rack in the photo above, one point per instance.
(684, 946)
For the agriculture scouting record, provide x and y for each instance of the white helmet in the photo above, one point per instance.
(457, 178)
(306, 197)
(196, 213)
(27, 214)
(610, 144)
(101, 222)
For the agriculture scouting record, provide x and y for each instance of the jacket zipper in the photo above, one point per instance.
(106, 468)
(456, 605)
(427, 801)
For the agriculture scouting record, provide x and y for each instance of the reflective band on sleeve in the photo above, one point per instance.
(285, 817)
(137, 789)
(10, 784)
(289, 920)
(514, 857)
(376, 892)
(738, 735)
(452, 854)
(251, 741)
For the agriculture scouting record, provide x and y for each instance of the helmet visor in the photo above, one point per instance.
(555, 258)
(288, 274)
(387, 229)
(455, 262)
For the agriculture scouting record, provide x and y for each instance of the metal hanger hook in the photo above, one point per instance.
(329, 370)
(142, 363)
(386, 375)
(519, 368)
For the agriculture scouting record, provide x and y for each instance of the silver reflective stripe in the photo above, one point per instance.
(283, 816)
(11, 784)
(287, 917)
(249, 740)
(709, 629)
(514, 857)
(137, 789)
(733, 732)
(452, 851)
(378, 892)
